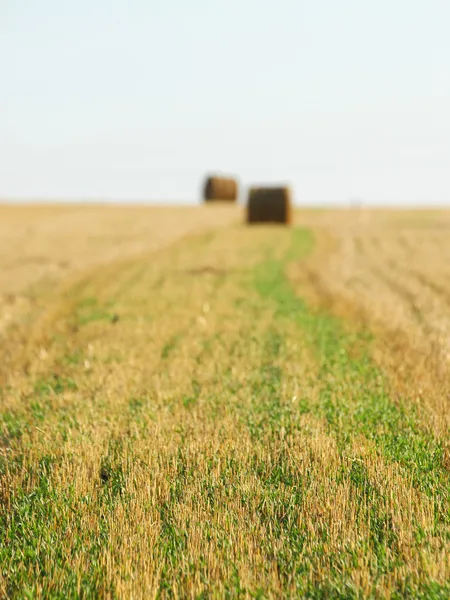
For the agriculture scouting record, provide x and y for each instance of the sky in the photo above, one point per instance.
(138, 100)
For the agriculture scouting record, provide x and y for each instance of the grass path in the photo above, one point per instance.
(187, 427)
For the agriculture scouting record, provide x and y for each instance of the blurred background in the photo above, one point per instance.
(115, 100)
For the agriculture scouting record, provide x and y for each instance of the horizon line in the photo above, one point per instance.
(104, 201)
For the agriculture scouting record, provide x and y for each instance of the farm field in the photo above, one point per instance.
(194, 408)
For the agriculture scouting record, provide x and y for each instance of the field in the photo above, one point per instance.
(193, 408)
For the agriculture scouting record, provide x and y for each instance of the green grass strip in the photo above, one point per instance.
(353, 390)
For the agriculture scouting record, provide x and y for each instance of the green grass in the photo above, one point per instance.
(354, 396)
(256, 453)
(32, 553)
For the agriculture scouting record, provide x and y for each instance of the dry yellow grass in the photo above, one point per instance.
(180, 424)
(390, 271)
(50, 242)
(41, 240)
(397, 269)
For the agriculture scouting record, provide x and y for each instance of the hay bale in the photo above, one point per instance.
(220, 188)
(269, 205)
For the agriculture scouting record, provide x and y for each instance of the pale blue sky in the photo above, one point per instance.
(138, 99)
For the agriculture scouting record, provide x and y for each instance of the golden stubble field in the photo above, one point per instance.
(390, 270)
(192, 408)
(47, 243)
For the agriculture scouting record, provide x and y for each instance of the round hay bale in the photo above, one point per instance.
(220, 188)
(269, 205)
